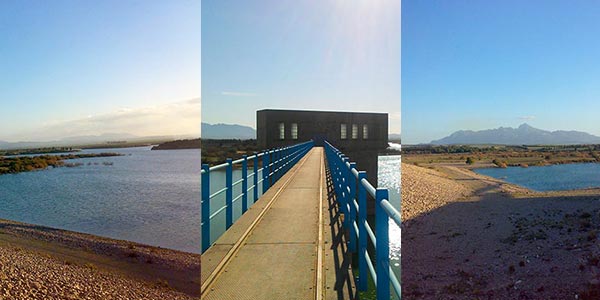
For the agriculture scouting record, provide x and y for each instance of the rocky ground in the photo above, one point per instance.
(44, 263)
(434, 189)
(467, 236)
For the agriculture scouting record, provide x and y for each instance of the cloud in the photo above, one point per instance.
(526, 118)
(238, 94)
(175, 118)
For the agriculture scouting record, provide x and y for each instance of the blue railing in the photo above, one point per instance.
(275, 163)
(351, 188)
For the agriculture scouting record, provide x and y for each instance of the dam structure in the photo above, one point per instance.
(303, 213)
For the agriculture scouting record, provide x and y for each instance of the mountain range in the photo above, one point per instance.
(89, 140)
(227, 131)
(523, 135)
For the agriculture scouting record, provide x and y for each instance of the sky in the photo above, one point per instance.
(485, 64)
(71, 68)
(314, 54)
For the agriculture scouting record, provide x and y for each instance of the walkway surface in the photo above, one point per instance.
(281, 248)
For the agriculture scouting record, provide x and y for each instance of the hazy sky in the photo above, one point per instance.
(312, 54)
(484, 64)
(71, 68)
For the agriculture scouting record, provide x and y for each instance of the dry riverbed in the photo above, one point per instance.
(468, 236)
(44, 263)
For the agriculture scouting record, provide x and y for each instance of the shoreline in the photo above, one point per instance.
(467, 235)
(137, 271)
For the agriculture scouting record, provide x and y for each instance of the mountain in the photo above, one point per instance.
(105, 137)
(394, 136)
(227, 131)
(523, 135)
(110, 139)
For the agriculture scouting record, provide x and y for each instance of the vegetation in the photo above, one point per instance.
(17, 164)
(502, 156)
(217, 151)
(179, 144)
(37, 151)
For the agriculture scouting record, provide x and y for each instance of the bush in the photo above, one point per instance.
(470, 160)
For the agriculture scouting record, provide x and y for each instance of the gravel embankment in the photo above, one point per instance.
(26, 274)
(468, 236)
(424, 190)
(38, 262)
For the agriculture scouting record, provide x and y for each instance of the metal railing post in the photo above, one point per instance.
(362, 233)
(265, 171)
(345, 198)
(245, 184)
(382, 249)
(205, 207)
(352, 212)
(255, 177)
(229, 194)
(276, 166)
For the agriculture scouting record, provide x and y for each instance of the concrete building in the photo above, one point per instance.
(361, 136)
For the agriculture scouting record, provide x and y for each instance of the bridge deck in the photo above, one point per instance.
(272, 251)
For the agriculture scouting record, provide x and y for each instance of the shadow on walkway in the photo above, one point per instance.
(344, 285)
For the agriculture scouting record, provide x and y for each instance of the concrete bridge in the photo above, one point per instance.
(299, 237)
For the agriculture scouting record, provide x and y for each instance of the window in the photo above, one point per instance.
(343, 135)
(354, 131)
(294, 131)
(281, 131)
(365, 131)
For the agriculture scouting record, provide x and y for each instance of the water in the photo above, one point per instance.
(149, 197)
(549, 178)
(389, 177)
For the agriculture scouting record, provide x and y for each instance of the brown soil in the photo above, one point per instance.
(44, 263)
(467, 236)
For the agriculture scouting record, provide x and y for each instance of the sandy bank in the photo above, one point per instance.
(468, 236)
(38, 262)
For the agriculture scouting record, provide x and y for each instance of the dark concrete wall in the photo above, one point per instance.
(325, 125)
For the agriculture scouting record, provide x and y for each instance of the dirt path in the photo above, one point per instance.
(493, 240)
(44, 263)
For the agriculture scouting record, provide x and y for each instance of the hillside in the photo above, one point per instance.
(227, 131)
(179, 144)
(523, 135)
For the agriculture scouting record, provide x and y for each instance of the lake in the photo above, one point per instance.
(149, 197)
(549, 178)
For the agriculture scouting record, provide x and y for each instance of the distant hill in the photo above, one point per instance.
(227, 131)
(99, 138)
(523, 135)
(179, 144)
(93, 141)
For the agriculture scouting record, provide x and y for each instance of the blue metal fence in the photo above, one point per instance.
(275, 163)
(351, 188)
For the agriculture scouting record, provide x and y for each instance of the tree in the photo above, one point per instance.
(470, 160)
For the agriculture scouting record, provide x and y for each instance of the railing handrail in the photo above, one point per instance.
(256, 154)
(353, 204)
(275, 163)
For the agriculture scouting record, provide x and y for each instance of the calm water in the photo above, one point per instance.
(150, 197)
(389, 177)
(549, 178)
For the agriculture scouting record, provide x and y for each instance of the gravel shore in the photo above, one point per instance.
(44, 263)
(467, 236)
(424, 190)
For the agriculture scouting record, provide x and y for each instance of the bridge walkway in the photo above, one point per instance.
(288, 245)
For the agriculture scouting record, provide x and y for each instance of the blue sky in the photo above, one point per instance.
(484, 64)
(71, 68)
(325, 55)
